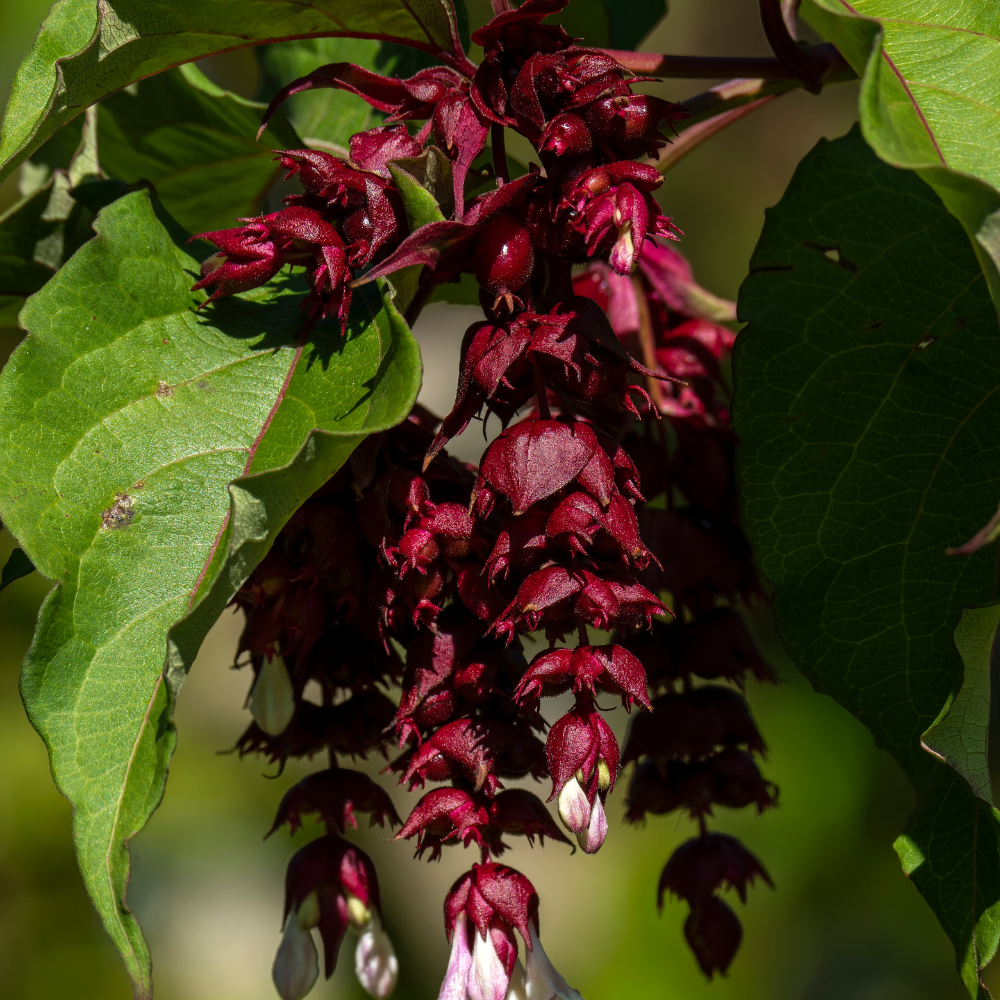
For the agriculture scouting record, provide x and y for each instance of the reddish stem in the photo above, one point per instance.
(807, 67)
(647, 343)
(541, 392)
(497, 143)
(702, 67)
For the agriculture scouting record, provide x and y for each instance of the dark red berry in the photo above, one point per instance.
(503, 257)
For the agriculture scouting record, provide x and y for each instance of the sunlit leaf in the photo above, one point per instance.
(126, 416)
(87, 50)
(930, 98)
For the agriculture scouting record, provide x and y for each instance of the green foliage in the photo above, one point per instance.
(867, 405)
(22, 227)
(197, 144)
(86, 50)
(612, 23)
(930, 99)
(127, 415)
(959, 735)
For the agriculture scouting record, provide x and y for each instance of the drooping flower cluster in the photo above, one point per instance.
(549, 538)
(696, 749)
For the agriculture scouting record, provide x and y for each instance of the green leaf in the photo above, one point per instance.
(930, 99)
(22, 228)
(48, 224)
(126, 415)
(958, 736)
(17, 566)
(196, 143)
(425, 187)
(424, 183)
(867, 396)
(86, 50)
(612, 23)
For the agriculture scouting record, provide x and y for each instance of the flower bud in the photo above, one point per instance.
(574, 808)
(272, 700)
(503, 256)
(592, 838)
(603, 775)
(296, 966)
(357, 913)
(375, 962)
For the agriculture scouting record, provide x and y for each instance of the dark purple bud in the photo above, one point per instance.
(503, 258)
(714, 933)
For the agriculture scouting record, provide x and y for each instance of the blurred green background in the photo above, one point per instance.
(843, 922)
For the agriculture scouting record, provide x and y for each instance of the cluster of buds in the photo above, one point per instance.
(349, 216)
(551, 535)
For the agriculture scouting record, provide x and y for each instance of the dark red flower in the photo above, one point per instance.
(256, 252)
(336, 795)
(692, 725)
(587, 668)
(596, 210)
(581, 742)
(452, 815)
(535, 458)
(337, 872)
(702, 866)
(508, 41)
(491, 891)
(480, 750)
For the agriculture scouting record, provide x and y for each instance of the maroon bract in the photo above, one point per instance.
(704, 865)
(581, 745)
(587, 668)
(336, 796)
(508, 41)
(714, 934)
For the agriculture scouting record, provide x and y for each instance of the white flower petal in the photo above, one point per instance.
(456, 979)
(272, 700)
(296, 966)
(574, 808)
(542, 981)
(593, 836)
(517, 990)
(375, 962)
(488, 979)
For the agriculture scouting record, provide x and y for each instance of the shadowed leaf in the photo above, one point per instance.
(867, 396)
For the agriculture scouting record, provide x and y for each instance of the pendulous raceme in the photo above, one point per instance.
(603, 360)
